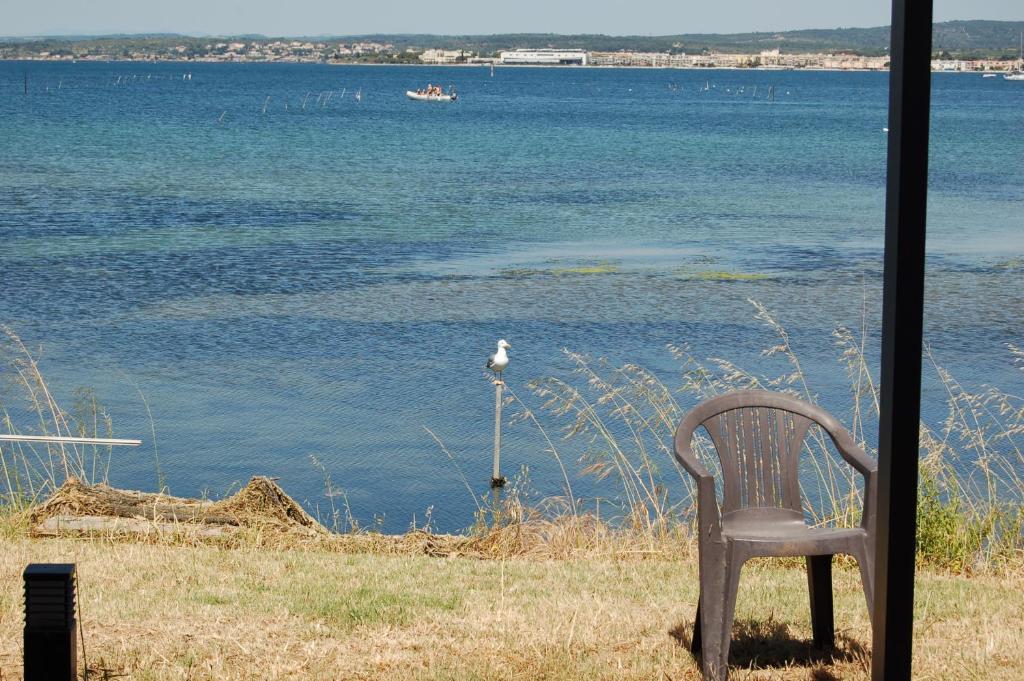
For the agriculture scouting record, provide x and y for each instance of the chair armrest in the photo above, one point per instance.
(863, 464)
(688, 460)
(855, 456)
(708, 515)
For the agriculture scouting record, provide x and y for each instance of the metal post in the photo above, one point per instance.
(496, 479)
(50, 650)
(902, 327)
(55, 439)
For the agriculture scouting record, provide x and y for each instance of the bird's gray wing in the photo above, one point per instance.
(490, 361)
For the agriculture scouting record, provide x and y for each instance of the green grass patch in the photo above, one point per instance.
(212, 599)
(370, 604)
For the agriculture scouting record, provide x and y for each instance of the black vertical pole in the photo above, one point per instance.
(902, 327)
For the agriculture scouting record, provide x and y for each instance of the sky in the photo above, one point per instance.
(341, 17)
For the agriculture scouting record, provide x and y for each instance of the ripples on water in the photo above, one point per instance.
(328, 281)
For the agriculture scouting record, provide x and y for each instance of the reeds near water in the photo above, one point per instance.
(30, 472)
(617, 422)
(620, 420)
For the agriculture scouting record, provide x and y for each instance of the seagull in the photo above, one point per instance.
(499, 360)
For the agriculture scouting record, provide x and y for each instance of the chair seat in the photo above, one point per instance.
(783, 532)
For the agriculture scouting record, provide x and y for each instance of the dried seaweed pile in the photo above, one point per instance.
(262, 514)
(261, 504)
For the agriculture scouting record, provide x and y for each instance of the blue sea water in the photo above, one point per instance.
(284, 274)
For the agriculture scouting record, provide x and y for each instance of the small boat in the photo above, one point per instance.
(1016, 75)
(989, 75)
(443, 97)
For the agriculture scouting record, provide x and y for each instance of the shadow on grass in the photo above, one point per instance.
(768, 644)
(100, 672)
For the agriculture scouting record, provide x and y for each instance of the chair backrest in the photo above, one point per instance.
(758, 436)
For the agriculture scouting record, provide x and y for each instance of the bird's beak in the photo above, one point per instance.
(508, 346)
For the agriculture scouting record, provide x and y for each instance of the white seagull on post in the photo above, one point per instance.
(499, 360)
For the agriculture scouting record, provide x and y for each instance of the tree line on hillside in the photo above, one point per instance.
(963, 39)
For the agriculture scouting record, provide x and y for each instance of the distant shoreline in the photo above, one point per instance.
(815, 69)
(458, 66)
(602, 67)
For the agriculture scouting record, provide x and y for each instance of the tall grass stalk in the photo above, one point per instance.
(458, 468)
(342, 521)
(31, 471)
(161, 479)
(527, 413)
(971, 494)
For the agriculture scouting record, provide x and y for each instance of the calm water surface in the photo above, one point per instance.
(326, 280)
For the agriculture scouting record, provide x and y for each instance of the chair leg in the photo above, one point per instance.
(867, 577)
(710, 611)
(695, 639)
(819, 583)
(733, 565)
(708, 630)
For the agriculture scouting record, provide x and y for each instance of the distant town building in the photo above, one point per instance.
(442, 56)
(652, 59)
(544, 56)
(768, 59)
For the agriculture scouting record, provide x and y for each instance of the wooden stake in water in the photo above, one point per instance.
(496, 479)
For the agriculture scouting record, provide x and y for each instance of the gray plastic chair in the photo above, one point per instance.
(758, 436)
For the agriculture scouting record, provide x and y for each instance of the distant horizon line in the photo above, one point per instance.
(335, 36)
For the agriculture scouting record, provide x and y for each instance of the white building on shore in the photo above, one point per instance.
(434, 56)
(545, 56)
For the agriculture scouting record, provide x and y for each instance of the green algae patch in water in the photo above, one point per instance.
(600, 268)
(521, 272)
(582, 269)
(1010, 264)
(721, 275)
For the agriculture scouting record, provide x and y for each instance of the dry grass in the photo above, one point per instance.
(170, 612)
(547, 592)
